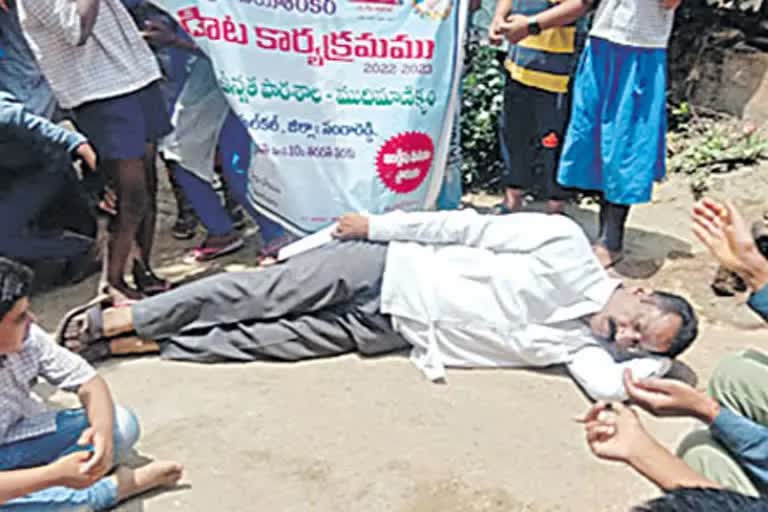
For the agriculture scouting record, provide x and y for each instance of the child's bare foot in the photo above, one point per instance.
(131, 482)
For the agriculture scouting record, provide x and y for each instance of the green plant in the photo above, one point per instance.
(700, 146)
(482, 99)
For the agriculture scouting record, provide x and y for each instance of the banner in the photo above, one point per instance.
(349, 104)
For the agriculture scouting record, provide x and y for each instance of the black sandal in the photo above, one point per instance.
(146, 281)
(93, 345)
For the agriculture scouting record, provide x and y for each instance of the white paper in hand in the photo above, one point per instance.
(309, 242)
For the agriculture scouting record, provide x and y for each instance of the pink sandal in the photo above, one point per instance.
(208, 253)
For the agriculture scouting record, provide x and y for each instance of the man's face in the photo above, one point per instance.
(14, 327)
(638, 325)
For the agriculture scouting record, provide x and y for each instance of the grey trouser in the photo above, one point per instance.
(320, 303)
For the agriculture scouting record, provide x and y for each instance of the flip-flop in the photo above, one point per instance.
(208, 253)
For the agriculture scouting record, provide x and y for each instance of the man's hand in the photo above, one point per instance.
(4, 5)
(495, 37)
(725, 234)
(68, 471)
(158, 33)
(352, 226)
(515, 28)
(87, 154)
(671, 4)
(614, 432)
(101, 460)
(668, 397)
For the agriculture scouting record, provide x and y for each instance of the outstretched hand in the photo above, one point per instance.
(726, 235)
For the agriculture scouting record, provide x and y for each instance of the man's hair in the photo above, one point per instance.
(689, 328)
(15, 281)
(704, 500)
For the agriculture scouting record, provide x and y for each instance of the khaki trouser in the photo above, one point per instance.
(740, 382)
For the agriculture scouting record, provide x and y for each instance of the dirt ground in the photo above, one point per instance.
(352, 434)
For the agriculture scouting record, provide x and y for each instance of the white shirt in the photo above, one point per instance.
(22, 417)
(470, 290)
(642, 23)
(114, 60)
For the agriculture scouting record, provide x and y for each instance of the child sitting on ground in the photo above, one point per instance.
(53, 460)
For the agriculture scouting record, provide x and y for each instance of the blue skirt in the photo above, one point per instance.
(616, 140)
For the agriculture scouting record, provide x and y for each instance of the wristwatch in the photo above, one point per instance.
(534, 28)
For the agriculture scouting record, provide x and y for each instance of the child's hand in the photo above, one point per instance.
(671, 4)
(68, 471)
(495, 37)
(515, 28)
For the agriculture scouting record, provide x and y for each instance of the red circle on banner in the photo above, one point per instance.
(404, 161)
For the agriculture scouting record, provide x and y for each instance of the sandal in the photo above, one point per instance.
(146, 281)
(203, 253)
(93, 345)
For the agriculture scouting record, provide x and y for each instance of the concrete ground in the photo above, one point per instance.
(352, 434)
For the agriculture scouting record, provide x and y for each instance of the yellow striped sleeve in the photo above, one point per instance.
(539, 79)
(553, 40)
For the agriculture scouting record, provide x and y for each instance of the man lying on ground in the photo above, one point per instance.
(55, 460)
(458, 288)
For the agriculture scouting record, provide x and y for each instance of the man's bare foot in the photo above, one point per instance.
(132, 482)
(607, 259)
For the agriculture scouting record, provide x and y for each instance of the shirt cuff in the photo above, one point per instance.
(74, 140)
(378, 230)
(758, 302)
(729, 427)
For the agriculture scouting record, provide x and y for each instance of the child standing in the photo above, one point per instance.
(536, 102)
(616, 140)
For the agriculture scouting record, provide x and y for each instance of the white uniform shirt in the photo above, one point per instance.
(113, 61)
(640, 23)
(470, 290)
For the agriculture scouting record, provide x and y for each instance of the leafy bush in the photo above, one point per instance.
(482, 99)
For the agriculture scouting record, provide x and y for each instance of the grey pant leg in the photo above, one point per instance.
(336, 330)
(333, 275)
